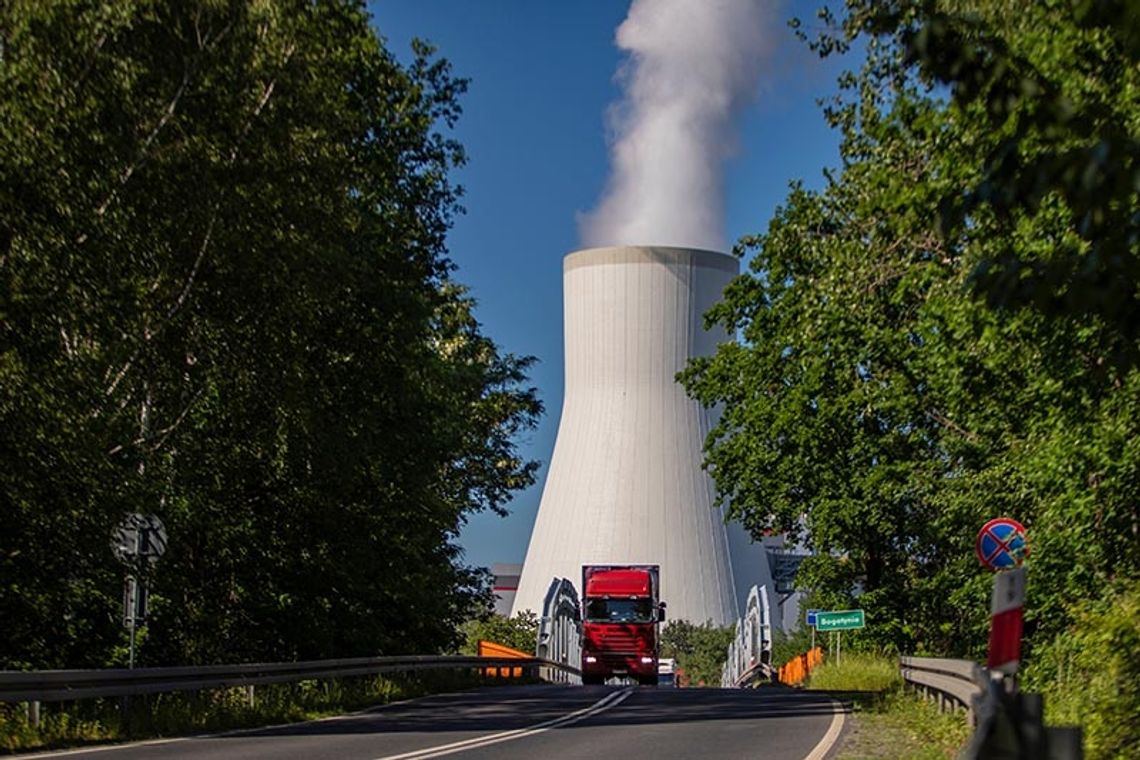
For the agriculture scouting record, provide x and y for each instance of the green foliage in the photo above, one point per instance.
(879, 404)
(786, 646)
(948, 330)
(699, 650)
(888, 721)
(518, 632)
(896, 724)
(857, 672)
(1058, 88)
(1091, 675)
(225, 299)
(218, 710)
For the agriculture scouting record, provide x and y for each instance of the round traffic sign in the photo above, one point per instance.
(1001, 544)
(138, 536)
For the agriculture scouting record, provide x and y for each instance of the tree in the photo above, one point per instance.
(1051, 99)
(227, 301)
(1058, 87)
(832, 430)
(891, 391)
(518, 632)
(700, 651)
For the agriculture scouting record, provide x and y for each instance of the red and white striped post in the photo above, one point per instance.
(1006, 607)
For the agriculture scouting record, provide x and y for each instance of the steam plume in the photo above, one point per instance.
(692, 65)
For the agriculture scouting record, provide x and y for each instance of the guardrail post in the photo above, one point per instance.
(1064, 743)
(1031, 709)
(34, 714)
(249, 698)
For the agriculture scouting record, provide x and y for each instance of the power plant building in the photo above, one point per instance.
(625, 483)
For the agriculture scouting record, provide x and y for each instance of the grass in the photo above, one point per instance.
(886, 721)
(181, 713)
(857, 672)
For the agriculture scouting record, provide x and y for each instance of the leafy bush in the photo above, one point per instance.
(1090, 675)
(785, 646)
(700, 650)
(518, 632)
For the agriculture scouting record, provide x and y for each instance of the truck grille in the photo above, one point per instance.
(617, 641)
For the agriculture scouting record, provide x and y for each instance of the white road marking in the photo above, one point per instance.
(828, 741)
(374, 709)
(610, 700)
(110, 747)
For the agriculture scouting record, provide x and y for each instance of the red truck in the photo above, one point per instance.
(622, 609)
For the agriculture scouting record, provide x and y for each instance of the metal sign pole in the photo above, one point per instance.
(132, 612)
(838, 645)
(137, 540)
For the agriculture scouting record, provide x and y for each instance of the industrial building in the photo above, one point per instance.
(625, 483)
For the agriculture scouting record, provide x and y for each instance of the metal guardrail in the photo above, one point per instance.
(1006, 722)
(66, 685)
(951, 682)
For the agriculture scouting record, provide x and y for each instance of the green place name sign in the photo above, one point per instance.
(839, 621)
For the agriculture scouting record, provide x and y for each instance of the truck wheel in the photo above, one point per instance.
(647, 680)
(592, 680)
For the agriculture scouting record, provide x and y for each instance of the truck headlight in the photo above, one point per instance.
(591, 658)
(646, 660)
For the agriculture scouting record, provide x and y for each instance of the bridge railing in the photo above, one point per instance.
(560, 630)
(37, 686)
(749, 657)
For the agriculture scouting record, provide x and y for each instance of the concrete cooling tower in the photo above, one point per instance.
(625, 483)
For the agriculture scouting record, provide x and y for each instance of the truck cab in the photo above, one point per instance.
(622, 613)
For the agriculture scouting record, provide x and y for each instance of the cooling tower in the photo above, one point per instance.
(625, 483)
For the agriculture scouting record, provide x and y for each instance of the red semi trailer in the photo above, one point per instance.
(621, 614)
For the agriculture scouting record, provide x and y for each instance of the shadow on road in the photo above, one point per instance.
(510, 708)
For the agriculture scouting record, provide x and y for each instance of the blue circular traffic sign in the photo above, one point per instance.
(1001, 544)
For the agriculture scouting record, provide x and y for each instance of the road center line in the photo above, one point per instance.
(610, 700)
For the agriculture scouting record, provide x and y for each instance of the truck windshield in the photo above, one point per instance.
(620, 610)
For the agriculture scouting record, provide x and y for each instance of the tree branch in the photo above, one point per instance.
(180, 300)
(144, 153)
(945, 421)
(160, 435)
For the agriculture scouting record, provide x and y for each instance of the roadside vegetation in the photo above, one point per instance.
(181, 714)
(518, 632)
(886, 721)
(699, 650)
(226, 299)
(1091, 678)
(948, 330)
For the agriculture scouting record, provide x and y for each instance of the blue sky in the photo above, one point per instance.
(534, 127)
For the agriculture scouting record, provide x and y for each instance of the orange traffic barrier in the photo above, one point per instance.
(797, 669)
(491, 649)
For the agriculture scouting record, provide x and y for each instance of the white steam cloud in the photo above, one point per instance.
(692, 66)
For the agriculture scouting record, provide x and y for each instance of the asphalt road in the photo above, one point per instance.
(535, 722)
